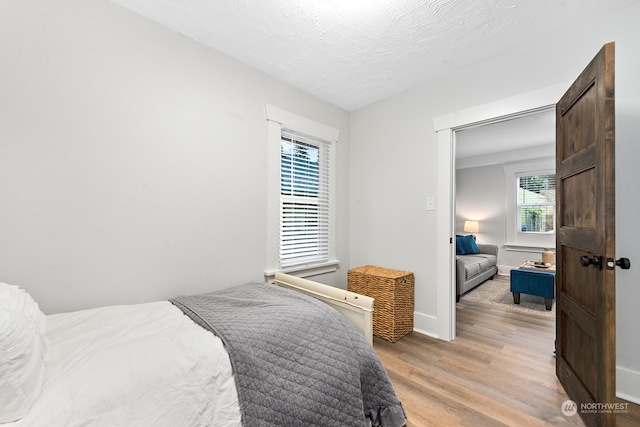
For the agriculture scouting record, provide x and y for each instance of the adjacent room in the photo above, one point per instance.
(151, 151)
(505, 198)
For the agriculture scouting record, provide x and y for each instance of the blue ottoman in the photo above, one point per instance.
(539, 283)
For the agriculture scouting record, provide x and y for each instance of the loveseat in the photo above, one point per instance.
(475, 263)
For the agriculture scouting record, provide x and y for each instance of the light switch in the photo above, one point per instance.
(431, 203)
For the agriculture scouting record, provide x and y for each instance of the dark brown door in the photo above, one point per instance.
(585, 166)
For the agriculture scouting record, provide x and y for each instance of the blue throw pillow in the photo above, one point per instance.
(466, 245)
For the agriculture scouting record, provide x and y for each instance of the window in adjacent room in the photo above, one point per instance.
(301, 195)
(530, 205)
(536, 203)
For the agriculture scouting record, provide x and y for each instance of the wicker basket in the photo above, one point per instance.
(393, 294)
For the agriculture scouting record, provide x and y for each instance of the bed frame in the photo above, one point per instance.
(356, 308)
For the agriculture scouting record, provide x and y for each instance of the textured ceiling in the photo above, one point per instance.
(353, 56)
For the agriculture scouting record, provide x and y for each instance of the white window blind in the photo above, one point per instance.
(536, 203)
(304, 199)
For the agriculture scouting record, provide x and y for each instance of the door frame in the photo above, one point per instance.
(446, 127)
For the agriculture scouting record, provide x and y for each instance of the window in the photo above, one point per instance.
(536, 203)
(304, 200)
(530, 190)
(301, 194)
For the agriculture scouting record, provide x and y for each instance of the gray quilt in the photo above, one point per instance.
(296, 361)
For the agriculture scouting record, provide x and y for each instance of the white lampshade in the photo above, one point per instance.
(471, 226)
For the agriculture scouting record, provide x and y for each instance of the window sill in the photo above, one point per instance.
(524, 248)
(307, 270)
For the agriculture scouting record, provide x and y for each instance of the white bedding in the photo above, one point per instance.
(143, 365)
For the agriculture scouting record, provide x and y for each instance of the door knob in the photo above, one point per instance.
(623, 263)
(596, 261)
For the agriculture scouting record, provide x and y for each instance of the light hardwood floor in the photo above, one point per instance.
(500, 371)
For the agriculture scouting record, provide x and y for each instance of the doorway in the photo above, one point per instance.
(446, 128)
(490, 162)
(488, 159)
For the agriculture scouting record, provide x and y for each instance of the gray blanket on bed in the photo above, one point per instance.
(296, 360)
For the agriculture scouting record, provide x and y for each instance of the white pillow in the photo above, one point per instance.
(23, 350)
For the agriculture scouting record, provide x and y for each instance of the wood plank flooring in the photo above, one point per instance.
(500, 371)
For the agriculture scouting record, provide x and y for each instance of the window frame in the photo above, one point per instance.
(304, 200)
(515, 239)
(279, 120)
(520, 206)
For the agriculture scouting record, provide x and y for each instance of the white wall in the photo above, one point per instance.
(627, 208)
(120, 148)
(394, 168)
(480, 196)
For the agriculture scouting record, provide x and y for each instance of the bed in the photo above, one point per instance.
(291, 352)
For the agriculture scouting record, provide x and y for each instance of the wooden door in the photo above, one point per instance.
(585, 287)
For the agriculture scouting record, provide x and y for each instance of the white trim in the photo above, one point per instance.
(505, 270)
(445, 127)
(530, 249)
(277, 119)
(513, 237)
(273, 198)
(445, 249)
(424, 324)
(307, 270)
(504, 109)
(628, 384)
(301, 124)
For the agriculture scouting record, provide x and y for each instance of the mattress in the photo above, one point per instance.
(143, 364)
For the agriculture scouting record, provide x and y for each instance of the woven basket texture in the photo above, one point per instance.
(394, 298)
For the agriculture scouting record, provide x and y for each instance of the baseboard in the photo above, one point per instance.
(504, 270)
(425, 324)
(627, 384)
